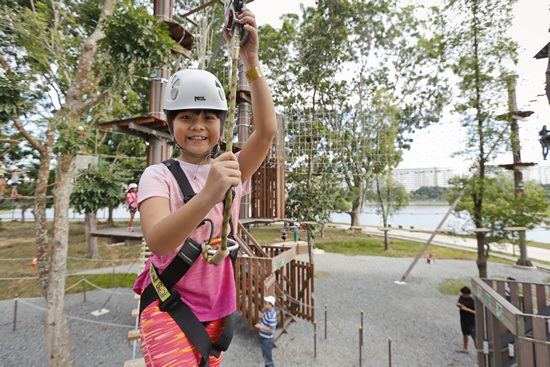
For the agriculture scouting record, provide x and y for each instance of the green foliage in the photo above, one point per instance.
(389, 194)
(353, 128)
(134, 40)
(97, 188)
(313, 205)
(501, 209)
(430, 193)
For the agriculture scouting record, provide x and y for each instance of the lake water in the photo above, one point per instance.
(428, 217)
(420, 216)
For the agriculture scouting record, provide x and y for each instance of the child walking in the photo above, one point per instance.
(15, 181)
(175, 223)
(131, 204)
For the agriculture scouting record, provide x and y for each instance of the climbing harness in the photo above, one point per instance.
(170, 300)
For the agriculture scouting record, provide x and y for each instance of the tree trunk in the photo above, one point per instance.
(355, 215)
(110, 222)
(386, 238)
(43, 245)
(86, 226)
(93, 252)
(310, 243)
(24, 208)
(524, 259)
(481, 257)
(323, 230)
(58, 341)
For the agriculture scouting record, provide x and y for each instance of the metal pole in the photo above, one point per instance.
(361, 327)
(83, 289)
(325, 321)
(360, 344)
(389, 348)
(433, 234)
(314, 339)
(114, 278)
(15, 314)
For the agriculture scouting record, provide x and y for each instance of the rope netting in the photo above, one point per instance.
(341, 143)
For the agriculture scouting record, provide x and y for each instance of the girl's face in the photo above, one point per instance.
(133, 189)
(196, 132)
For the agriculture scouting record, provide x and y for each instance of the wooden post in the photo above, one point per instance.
(360, 343)
(361, 327)
(84, 289)
(518, 175)
(15, 314)
(314, 339)
(325, 321)
(389, 349)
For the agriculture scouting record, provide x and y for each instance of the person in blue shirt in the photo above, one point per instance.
(544, 141)
(267, 330)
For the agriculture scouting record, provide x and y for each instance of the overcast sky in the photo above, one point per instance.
(433, 146)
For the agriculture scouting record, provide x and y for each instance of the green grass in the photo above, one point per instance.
(452, 287)
(22, 245)
(30, 287)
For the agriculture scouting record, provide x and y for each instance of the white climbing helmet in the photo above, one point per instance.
(192, 89)
(132, 186)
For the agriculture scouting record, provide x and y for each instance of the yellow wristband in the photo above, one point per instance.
(254, 73)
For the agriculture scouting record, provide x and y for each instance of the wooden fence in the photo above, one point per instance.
(263, 271)
(514, 316)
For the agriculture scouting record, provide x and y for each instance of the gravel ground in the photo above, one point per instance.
(422, 323)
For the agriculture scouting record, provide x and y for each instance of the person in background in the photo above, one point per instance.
(131, 204)
(3, 173)
(431, 259)
(267, 330)
(544, 141)
(15, 181)
(283, 234)
(467, 307)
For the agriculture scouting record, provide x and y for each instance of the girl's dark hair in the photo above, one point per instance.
(172, 114)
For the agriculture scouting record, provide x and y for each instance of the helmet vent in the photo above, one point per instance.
(175, 89)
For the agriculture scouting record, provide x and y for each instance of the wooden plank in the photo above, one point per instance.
(137, 297)
(199, 8)
(140, 362)
(238, 283)
(527, 298)
(527, 354)
(514, 294)
(133, 335)
(542, 355)
(541, 297)
(500, 288)
(250, 300)
(257, 246)
(135, 312)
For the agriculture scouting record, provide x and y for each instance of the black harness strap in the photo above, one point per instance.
(180, 176)
(182, 262)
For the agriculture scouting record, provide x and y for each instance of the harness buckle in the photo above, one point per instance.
(171, 302)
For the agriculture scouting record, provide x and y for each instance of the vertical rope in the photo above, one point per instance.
(222, 252)
(229, 135)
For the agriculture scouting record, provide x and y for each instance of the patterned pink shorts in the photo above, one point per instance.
(164, 344)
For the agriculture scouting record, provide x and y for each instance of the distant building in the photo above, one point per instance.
(540, 174)
(414, 178)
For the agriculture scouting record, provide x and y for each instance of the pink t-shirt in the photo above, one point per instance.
(132, 199)
(208, 290)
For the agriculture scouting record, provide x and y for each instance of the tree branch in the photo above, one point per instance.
(5, 64)
(33, 142)
(89, 47)
(92, 102)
